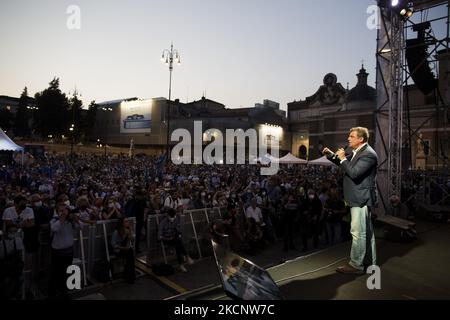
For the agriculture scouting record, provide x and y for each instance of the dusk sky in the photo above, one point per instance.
(237, 51)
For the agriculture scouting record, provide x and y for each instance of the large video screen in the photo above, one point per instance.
(242, 279)
(135, 116)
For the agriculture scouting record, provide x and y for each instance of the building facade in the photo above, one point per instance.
(323, 119)
(110, 123)
(426, 127)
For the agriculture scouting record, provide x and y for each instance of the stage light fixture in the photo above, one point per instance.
(406, 12)
(400, 7)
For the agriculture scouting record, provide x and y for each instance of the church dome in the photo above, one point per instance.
(362, 91)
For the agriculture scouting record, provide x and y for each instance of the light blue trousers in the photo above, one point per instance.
(363, 250)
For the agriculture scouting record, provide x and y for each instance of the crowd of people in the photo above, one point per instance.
(300, 205)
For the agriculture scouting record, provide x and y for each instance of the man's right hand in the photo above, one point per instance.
(326, 151)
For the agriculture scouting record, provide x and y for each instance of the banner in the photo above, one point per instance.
(135, 116)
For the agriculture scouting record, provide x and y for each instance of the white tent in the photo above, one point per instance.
(6, 144)
(322, 161)
(291, 159)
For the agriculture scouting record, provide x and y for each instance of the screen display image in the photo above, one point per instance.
(242, 279)
(135, 116)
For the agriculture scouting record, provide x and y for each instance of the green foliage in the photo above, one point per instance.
(6, 119)
(22, 123)
(89, 119)
(52, 116)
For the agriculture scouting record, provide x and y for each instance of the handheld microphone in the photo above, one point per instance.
(334, 155)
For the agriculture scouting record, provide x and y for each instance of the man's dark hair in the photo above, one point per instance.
(361, 132)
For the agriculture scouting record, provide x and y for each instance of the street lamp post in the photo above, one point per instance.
(71, 129)
(168, 56)
(107, 110)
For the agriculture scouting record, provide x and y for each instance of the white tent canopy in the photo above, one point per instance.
(6, 144)
(323, 161)
(291, 159)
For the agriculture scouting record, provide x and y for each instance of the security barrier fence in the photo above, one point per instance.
(194, 229)
(92, 244)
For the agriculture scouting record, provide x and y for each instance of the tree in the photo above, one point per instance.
(52, 116)
(89, 119)
(22, 121)
(75, 108)
(6, 119)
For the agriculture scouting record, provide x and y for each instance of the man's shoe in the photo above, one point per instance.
(348, 269)
(189, 260)
(183, 268)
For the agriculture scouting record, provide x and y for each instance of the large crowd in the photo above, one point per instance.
(300, 205)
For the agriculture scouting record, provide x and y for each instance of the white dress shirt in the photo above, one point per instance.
(355, 152)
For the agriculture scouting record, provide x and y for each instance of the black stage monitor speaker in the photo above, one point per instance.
(416, 57)
(241, 278)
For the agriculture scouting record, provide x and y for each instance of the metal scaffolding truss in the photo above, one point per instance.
(389, 112)
(392, 78)
(440, 116)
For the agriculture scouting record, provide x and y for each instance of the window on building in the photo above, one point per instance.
(345, 124)
(268, 140)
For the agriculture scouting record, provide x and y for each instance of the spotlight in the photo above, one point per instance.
(400, 7)
(406, 12)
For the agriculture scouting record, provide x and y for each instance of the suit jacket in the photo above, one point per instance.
(360, 177)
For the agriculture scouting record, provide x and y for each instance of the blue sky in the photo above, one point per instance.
(237, 51)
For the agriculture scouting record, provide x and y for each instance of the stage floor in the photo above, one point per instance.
(409, 271)
(417, 270)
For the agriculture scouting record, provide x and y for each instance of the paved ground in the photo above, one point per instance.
(408, 271)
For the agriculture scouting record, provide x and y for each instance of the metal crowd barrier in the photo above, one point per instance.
(194, 225)
(91, 246)
(92, 242)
